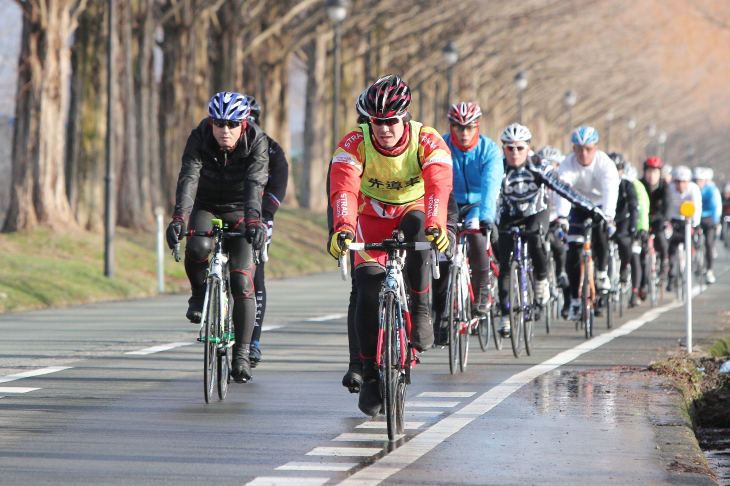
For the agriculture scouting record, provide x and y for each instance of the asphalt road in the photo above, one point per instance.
(77, 408)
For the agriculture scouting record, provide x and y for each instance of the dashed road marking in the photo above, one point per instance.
(317, 466)
(328, 317)
(423, 404)
(363, 437)
(16, 389)
(158, 349)
(344, 451)
(383, 425)
(283, 481)
(427, 440)
(421, 412)
(446, 394)
(271, 328)
(29, 374)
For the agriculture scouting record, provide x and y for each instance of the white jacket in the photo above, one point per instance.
(598, 182)
(692, 194)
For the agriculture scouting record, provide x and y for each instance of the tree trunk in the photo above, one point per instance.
(314, 165)
(38, 192)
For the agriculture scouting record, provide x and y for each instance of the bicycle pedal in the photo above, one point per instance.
(354, 389)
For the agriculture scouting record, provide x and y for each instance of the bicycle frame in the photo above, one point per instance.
(519, 248)
(586, 262)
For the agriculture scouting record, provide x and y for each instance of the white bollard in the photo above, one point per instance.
(159, 213)
(687, 209)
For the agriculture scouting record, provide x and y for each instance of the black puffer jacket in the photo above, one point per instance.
(660, 202)
(221, 180)
(275, 189)
(627, 206)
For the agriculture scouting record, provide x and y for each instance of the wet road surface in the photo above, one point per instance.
(92, 413)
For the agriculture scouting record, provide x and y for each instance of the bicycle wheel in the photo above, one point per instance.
(464, 324)
(586, 304)
(609, 308)
(516, 314)
(529, 323)
(210, 361)
(452, 316)
(550, 304)
(484, 328)
(390, 364)
(498, 338)
(224, 371)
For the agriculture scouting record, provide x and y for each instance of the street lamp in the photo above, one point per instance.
(651, 133)
(609, 119)
(337, 11)
(690, 153)
(661, 140)
(451, 57)
(570, 99)
(109, 192)
(631, 125)
(521, 85)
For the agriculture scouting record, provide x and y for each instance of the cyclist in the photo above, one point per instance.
(224, 169)
(389, 173)
(274, 193)
(556, 235)
(591, 172)
(682, 189)
(524, 200)
(711, 214)
(478, 172)
(627, 222)
(660, 209)
(725, 212)
(642, 231)
(666, 173)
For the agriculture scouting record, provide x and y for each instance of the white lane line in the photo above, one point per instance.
(271, 328)
(383, 425)
(158, 349)
(283, 481)
(363, 437)
(442, 430)
(328, 317)
(344, 451)
(28, 374)
(421, 413)
(16, 389)
(446, 394)
(317, 466)
(418, 404)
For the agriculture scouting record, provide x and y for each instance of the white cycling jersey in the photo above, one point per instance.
(598, 182)
(692, 194)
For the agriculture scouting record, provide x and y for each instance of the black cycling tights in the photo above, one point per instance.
(369, 278)
(259, 285)
(240, 266)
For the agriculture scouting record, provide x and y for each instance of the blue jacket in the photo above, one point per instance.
(711, 202)
(477, 175)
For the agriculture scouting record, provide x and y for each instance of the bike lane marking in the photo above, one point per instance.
(29, 374)
(317, 466)
(283, 481)
(157, 349)
(16, 389)
(328, 317)
(427, 440)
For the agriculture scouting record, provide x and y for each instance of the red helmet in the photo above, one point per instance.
(464, 113)
(388, 97)
(654, 162)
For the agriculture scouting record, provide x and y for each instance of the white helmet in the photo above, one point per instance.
(703, 174)
(516, 133)
(629, 172)
(666, 170)
(682, 174)
(551, 154)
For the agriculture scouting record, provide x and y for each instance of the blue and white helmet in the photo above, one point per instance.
(584, 136)
(703, 174)
(227, 105)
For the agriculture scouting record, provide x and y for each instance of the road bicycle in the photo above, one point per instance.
(587, 283)
(395, 356)
(699, 256)
(654, 277)
(610, 299)
(523, 308)
(216, 322)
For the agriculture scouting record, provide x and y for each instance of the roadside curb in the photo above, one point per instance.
(681, 455)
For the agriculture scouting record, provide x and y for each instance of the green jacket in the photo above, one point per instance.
(641, 194)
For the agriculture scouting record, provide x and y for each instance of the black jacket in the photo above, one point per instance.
(223, 181)
(275, 189)
(660, 202)
(627, 206)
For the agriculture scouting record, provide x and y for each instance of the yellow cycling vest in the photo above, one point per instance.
(393, 179)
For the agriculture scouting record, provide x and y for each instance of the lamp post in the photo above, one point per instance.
(651, 133)
(631, 125)
(109, 206)
(661, 139)
(570, 99)
(337, 11)
(521, 85)
(690, 154)
(451, 57)
(609, 119)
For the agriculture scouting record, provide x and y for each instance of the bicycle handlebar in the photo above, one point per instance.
(389, 245)
(210, 234)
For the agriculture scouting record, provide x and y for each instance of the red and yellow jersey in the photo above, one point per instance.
(363, 179)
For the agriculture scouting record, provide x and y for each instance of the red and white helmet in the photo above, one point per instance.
(388, 97)
(464, 113)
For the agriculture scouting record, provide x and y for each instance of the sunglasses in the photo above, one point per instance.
(226, 123)
(584, 148)
(518, 148)
(385, 121)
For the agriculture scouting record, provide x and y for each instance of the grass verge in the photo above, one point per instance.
(41, 268)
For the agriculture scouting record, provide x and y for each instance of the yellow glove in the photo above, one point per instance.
(438, 235)
(339, 241)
